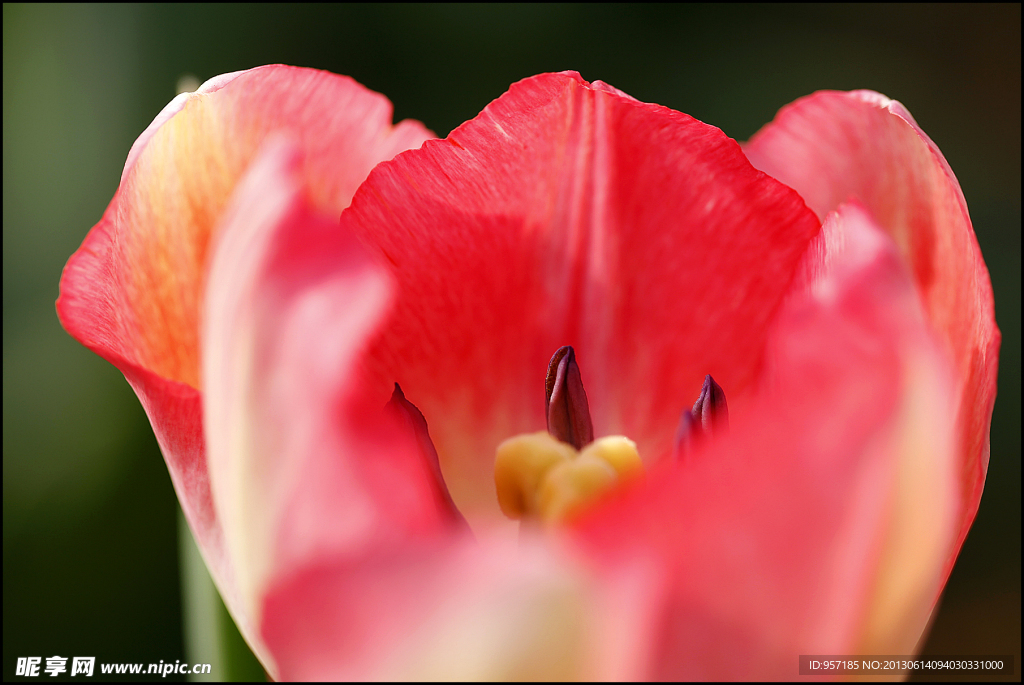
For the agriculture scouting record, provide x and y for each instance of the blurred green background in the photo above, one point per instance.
(89, 516)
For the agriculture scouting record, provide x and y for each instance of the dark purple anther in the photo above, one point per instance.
(709, 416)
(710, 409)
(413, 418)
(565, 400)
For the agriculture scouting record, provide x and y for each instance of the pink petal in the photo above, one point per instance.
(821, 523)
(567, 213)
(460, 612)
(132, 293)
(290, 304)
(832, 146)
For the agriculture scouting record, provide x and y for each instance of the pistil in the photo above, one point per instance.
(539, 477)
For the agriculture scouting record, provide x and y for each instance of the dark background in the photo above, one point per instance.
(89, 516)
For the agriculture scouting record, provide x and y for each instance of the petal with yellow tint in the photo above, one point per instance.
(134, 290)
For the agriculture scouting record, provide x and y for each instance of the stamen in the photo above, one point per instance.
(413, 418)
(565, 400)
(710, 410)
(709, 416)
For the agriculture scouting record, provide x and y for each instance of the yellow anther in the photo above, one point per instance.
(519, 467)
(620, 452)
(569, 487)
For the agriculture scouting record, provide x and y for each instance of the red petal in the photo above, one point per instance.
(821, 523)
(133, 291)
(832, 146)
(567, 213)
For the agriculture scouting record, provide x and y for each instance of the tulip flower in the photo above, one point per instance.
(763, 431)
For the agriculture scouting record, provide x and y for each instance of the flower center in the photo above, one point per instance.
(555, 475)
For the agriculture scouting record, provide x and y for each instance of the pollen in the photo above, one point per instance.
(538, 477)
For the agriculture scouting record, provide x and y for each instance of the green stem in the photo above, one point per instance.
(211, 637)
